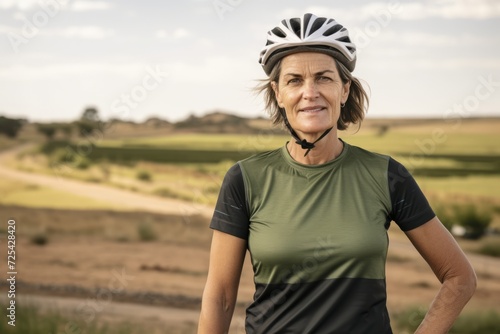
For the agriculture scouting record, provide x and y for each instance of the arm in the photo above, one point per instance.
(451, 267)
(227, 255)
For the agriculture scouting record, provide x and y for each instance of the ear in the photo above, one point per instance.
(346, 88)
(274, 85)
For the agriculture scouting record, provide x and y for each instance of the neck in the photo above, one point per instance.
(327, 149)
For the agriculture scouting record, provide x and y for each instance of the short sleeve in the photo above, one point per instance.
(410, 208)
(230, 214)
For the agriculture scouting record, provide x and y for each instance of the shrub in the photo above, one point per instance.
(144, 175)
(48, 130)
(69, 156)
(82, 162)
(146, 232)
(10, 126)
(477, 322)
(444, 216)
(40, 239)
(490, 249)
(62, 155)
(469, 322)
(474, 221)
(31, 320)
(409, 319)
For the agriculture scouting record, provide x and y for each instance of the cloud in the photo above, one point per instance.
(77, 6)
(6, 29)
(206, 43)
(25, 72)
(84, 5)
(212, 70)
(451, 9)
(459, 63)
(161, 34)
(25, 5)
(399, 10)
(84, 32)
(19, 4)
(179, 33)
(420, 39)
(353, 14)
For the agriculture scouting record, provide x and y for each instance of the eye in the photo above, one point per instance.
(324, 78)
(293, 81)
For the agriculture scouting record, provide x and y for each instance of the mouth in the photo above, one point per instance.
(312, 109)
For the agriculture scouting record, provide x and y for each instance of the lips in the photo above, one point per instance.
(312, 109)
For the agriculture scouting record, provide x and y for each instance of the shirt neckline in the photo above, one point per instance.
(326, 166)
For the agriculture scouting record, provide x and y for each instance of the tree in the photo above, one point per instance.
(66, 129)
(86, 128)
(48, 130)
(9, 126)
(90, 114)
(89, 121)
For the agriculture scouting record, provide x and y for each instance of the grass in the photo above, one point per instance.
(6, 143)
(117, 226)
(33, 320)
(478, 185)
(470, 322)
(25, 194)
(400, 141)
(489, 249)
(456, 155)
(203, 142)
(447, 161)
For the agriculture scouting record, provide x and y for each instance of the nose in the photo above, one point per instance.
(310, 90)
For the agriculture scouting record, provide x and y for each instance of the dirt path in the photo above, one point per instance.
(101, 192)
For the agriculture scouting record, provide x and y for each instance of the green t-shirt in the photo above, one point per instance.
(317, 235)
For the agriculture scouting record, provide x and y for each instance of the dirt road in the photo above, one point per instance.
(103, 193)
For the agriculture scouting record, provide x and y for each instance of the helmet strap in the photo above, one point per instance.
(308, 146)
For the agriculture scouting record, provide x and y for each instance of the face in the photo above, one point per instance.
(311, 92)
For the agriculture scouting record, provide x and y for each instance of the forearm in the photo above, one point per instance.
(215, 316)
(446, 307)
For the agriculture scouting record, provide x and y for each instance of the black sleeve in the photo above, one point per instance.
(230, 214)
(410, 208)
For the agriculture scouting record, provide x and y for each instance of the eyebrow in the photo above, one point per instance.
(316, 74)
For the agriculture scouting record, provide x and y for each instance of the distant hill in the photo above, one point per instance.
(223, 122)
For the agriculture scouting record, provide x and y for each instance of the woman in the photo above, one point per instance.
(314, 214)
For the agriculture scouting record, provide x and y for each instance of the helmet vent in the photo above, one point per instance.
(278, 32)
(307, 18)
(332, 30)
(317, 24)
(295, 26)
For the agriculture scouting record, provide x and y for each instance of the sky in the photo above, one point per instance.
(170, 59)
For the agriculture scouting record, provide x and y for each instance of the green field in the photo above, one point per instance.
(209, 142)
(453, 164)
(30, 195)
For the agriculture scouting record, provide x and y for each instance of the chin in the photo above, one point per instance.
(314, 128)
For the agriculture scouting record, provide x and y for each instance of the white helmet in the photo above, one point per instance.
(309, 33)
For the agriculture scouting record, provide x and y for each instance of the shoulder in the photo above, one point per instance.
(260, 159)
(367, 160)
(364, 154)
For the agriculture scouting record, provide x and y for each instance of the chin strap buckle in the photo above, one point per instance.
(302, 142)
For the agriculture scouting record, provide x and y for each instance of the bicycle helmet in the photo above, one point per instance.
(309, 33)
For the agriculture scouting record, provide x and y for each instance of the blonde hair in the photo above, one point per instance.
(352, 113)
